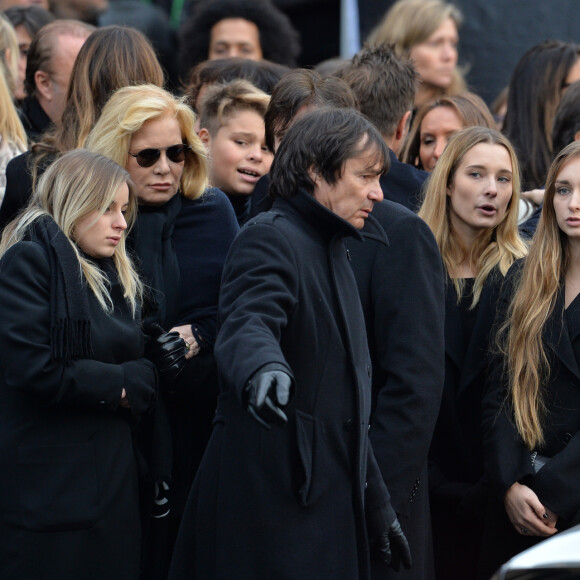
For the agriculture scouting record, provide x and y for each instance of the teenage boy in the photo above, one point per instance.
(232, 129)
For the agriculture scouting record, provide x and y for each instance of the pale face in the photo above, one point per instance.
(61, 67)
(436, 129)
(98, 235)
(436, 58)
(24, 41)
(233, 37)
(238, 153)
(567, 199)
(480, 190)
(157, 184)
(355, 193)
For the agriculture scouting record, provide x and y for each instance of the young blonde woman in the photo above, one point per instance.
(12, 135)
(73, 378)
(471, 206)
(532, 410)
(427, 32)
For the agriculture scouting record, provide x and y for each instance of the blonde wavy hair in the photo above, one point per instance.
(411, 22)
(520, 337)
(128, 110)
(74, 186)
(11, 128)
(495, 247)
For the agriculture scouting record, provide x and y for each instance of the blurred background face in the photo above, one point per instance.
(436, 129)
(436, 58)
(24, 41)
(232, 37)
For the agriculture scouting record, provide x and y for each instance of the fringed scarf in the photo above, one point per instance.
(70, 327)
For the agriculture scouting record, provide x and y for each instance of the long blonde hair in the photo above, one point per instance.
(128, 110)
(75, 185)
(495, 247)
(520, 337)
(11, 128)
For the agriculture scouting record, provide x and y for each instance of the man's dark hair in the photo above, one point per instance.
(279, 40)
(322, 141)
(32, 18)
(263, 74)
(384, 85)
(567, 119)
(302, 88)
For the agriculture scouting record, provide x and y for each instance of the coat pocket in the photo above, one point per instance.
(58, 487)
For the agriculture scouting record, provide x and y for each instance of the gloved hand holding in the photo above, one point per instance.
(166, 350)
(388, 542)
(267, 393)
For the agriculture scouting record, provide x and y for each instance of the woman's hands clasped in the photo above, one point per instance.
(527, 513)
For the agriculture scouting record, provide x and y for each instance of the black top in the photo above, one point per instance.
(33, 118)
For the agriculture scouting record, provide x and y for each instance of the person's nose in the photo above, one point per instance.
(448, 51)
(255, 153)
(376, 191)
(574, 203)
(120, 221)
(439, 148)
(162, 165)
(491, 186)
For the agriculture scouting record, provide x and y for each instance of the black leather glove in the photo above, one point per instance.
(166, 350)
(388, 542)
(267, 393)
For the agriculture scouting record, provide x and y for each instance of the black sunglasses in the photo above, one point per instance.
(148, 157)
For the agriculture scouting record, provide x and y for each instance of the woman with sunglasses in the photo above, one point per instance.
(181, 239)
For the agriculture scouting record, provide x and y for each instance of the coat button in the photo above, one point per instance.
(349, 425)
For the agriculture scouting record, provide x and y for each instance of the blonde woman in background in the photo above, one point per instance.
(12, 135)
(427, 32)
(471, 204)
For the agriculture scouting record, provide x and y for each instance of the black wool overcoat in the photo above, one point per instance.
(287, 503)
(68, 490)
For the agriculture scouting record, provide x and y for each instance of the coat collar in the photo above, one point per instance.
(318, 216)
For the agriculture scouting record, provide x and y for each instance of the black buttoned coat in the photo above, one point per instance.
(288, 503)
(401, 286)
(507, 457)
(68, 489)
(456, 474)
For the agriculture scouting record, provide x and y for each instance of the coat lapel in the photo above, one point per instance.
(556, 335)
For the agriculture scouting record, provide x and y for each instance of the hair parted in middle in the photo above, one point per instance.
(128, 110)
(469, 108)
(75, 185)
(537, 288)
(220, 101)
(495, 247)
(322, 141)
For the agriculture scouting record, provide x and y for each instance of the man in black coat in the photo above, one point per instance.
(402, 291)
(289, 486)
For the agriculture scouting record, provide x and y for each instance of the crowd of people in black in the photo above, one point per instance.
(268, 322)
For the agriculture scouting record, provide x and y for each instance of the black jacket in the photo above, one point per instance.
(402, 293)
(285, 496)
(403, 183)
(68, 491)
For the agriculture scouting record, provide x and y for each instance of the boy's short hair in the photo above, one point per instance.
(222, 100)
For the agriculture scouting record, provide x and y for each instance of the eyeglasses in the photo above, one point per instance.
(149, 157)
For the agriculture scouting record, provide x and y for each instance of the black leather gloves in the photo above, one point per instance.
(388, 542)
(166, 350)
(267, 393)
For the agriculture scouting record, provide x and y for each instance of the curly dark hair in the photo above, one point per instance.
(279, 40)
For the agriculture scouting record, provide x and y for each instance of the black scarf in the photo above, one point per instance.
(70, 331)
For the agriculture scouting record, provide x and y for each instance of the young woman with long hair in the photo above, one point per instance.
(531, 414)
(73, 378)
(471, 206)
